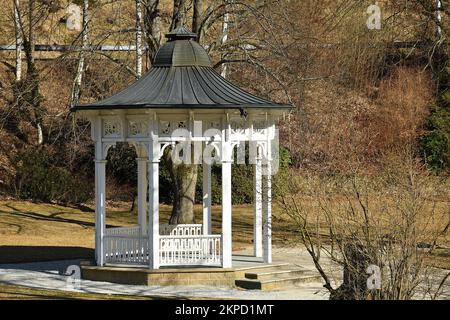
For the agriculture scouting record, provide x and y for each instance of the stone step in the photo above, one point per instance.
(265, 267)
(240, 272)
(277, 284)
(274, 274)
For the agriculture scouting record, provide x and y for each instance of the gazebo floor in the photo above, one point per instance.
(170, 276)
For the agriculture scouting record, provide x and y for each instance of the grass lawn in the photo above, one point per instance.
(42, 232)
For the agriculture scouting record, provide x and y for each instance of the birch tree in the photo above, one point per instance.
(138, 38)
(19, 40)
(76, 91)
(225, 26)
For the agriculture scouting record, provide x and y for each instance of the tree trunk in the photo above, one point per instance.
(198, 4)
(19, 40)
(184, 180)
(76, 90)
(179, 14)
(225, 31)
(33, 96)
(354, 285)
(438, 19)
(152, 26)
(184, 176)
(138, 38)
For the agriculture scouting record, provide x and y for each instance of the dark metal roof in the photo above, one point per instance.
(181, 53)
(182, 77)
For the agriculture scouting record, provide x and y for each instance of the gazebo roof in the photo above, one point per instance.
(182, 77)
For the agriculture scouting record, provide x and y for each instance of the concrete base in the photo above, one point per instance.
(248, 273)
(160, 277)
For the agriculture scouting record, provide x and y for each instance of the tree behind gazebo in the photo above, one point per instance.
(183, 176)
(184, 181)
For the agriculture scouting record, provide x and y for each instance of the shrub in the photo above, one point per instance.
(40, 178)
(436, 143)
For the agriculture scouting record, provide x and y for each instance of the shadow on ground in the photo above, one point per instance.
(24, 254)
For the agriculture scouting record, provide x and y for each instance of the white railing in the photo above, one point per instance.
(181, 229)
(181, 244)
(123, 231)
(190, 250)
(125, 249)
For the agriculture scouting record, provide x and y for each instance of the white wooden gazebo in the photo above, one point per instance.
(182, 102)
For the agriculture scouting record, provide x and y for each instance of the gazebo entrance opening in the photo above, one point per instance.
(179, 244)
(183, 103)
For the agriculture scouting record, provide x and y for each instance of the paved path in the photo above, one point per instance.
(49, 275)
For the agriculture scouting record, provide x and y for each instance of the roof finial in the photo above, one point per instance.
(180, 33)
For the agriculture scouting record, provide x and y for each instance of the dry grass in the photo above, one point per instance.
(385, 210)
(42, 232)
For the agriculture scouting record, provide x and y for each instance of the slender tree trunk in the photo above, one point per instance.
(438, 19)
(198, 4)
(30, 32)
(225, 29)
(138, 38)
(33, 96)
(34, 77)
(179, 14)
(76, 89)
(152, 26)
(19, 40)
(13, 121)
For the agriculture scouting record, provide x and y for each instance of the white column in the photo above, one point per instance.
(257, 209)
(267, 208)
(153, 178)
(226, 157)
(226, 215)
(207, 199)
(142, 186)
(100, 194)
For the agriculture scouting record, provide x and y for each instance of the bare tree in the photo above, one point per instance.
(196, 15)
(225, 27)
(76, 90)
(152, 26)
(390, 222)
(183, 176)
(33, 98)
(19, 40)
(138, 38)
(178, 14)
